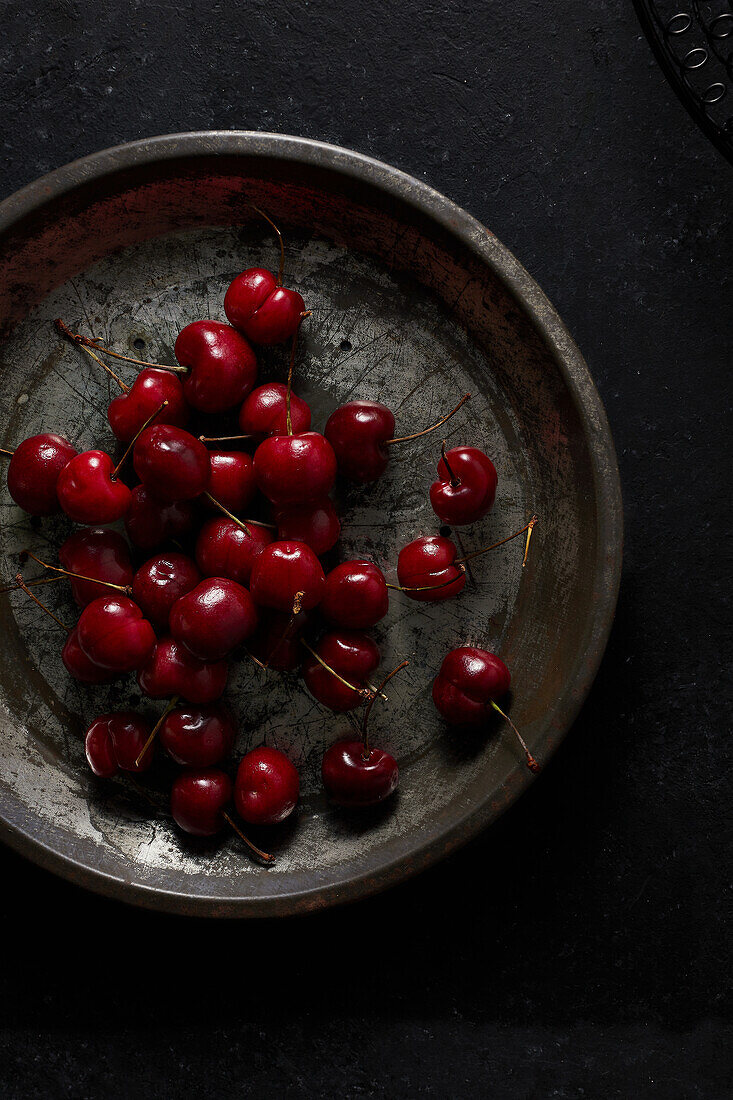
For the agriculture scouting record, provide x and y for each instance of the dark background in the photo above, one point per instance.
(578, 948)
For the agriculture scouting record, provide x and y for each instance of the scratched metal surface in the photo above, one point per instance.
(398, 316)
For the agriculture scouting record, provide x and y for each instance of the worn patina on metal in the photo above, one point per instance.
(414, 303)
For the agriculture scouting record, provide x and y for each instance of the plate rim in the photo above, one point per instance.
(17, 829)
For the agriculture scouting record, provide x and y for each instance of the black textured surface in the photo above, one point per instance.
(578, 949)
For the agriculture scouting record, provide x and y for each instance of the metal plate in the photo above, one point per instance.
(414, 303)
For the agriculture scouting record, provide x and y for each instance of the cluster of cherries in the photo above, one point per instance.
(248, 586)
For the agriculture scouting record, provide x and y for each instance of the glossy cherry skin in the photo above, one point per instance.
(198, 800)
(198, 737)
(267, 787)
(114, 634)
(128, 412)
(265, 412)
(113, 743)
(357, 432)
(160, 582)
(149, 522)
(316, 524)
(356, 595)
(473, 497)
(293, 469)
(172, 464)
(78, 665)
(351, 780)
(265, 312)
(284, 569)
(171, 669)
(222, 365)
(214, 618)
(469, 679)
(277, 640)
(232, 480)
(351, 654)
(224, 549)
(95, 552)
(34, 470)
(428, 563)
(87, 491)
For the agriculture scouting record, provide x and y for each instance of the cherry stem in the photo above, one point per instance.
(425, 431)
(455, 482)
(30, 584)
(530, 529)
(5, 451)
(280, 238)
(78, 576)
(230, 515)
(364, 692)
(370, 704)
(24, 587)
(264, 856)
(429, 587)
(222, 438)
(297, 608)
(89, 344)
(531, 762)
(173, 703)
(135, 438)
(476, 553)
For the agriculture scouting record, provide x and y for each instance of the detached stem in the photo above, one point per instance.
(135, 438)
(88, 344)
(77, 576)
(425, 431)
(476, 553)
(531, 762)
(173, 703)
(24, 587)
(264, 856)
(370, 704)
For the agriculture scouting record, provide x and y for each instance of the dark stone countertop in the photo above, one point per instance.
(578, 948)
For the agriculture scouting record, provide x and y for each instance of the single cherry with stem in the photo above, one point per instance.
(98, 553)
(222, 365)
(264, 412)
(113, 743)
(338, 668)
(172, 464)
(267, 787)
(160, 582)
(225, 548)
(198, 804)
(171, 669)
(360, 432)
(232, 482)
(284, 570)
(213, 618)
(356, 774)
(197, 737)
(259, 305)
(114, 634)
(469, 681)
(34, 470)
(466, 486)
(355, 595)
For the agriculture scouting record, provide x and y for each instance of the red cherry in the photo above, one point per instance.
(232, 482)
(353, 656)
(469, 682)
(114, 635)
(172, 464)
(293, 469)
(89, 490)
(355, 595)
(267, 787)
(214, 618)
(33, 472)
(316, 524)
(128, 412)
(264, 311)
(264, 412)
(466, 487)
(427, 565)
(277, 641)
(113, 743)
(78, 665)
(198, 737)
(355, 777)
(222, 365)
(95, 552)
(199, 799)
(160, 582)
(357, 431)
(283, 570)
(149, 522)
(224, 549)
(172, 670)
